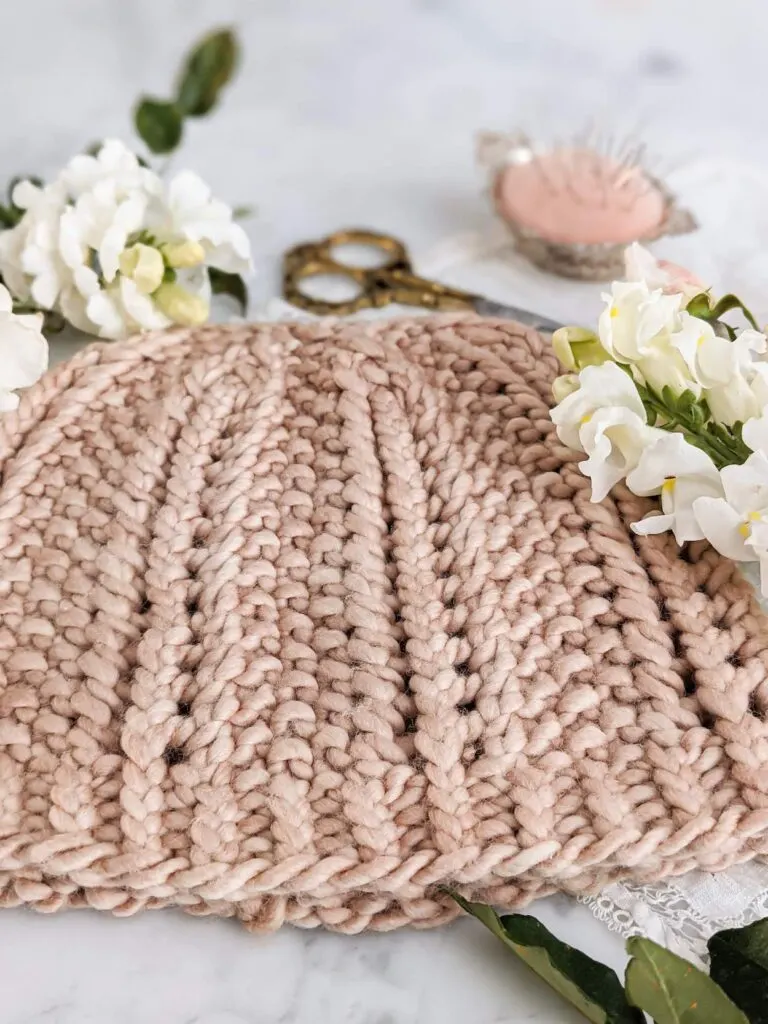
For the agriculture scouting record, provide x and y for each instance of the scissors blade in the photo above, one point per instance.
(487, 307)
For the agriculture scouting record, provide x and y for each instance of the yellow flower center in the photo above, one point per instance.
(668, 486)
(745, 529)
(614, 312)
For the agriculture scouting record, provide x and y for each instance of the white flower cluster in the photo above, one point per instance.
(23, 351)
(663, 400)
(114, 249)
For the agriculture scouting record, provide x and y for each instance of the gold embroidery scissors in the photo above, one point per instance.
(392, 280)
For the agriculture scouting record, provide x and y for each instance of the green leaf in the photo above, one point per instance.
(243, 211)
(651, 414)
(233, 285)
(10, 216)
(729, 302)
(159, 124)
(206, 71)
(672, 990)
(739, 964)
(702, 307)
(670, 398)
(591, 987)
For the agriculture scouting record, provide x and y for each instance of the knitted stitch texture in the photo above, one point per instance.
(306, 622)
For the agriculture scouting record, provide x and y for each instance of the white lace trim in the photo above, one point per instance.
(665, 914)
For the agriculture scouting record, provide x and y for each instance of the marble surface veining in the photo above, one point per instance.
(350, 112)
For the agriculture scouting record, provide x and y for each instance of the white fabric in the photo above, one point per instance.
(730, 201)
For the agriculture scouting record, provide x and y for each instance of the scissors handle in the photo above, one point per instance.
(394, 250)
(392, 281)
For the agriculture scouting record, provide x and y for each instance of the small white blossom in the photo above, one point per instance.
(23, 351)
(638, 327)
(671, 278)
(737, 524)
(755, 433)
(114, 162)
(680, 473)
(30, 261)
(189, 212)
(634, 315)
(742, 392)
(606, 419)
(707, 357)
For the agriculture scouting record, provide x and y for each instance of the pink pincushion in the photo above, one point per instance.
(579, 196)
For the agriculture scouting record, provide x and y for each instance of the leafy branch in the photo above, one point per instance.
(692, 415)
(660, 983)
(205, 72)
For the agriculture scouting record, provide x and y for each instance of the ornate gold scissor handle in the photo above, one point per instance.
(393, 281)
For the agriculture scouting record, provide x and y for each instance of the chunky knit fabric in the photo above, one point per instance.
(308, 622)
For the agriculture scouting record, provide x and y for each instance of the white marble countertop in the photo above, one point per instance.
(350, 113)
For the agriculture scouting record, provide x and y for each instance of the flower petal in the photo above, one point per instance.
(653, 524)
(600, 387)
(23, 353)
(106, 314)
(669, 457)
(140, 307)
(721, 525)
(6, 302)
(755, 433)
(746, 486)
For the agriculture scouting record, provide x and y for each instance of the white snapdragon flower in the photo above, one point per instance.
(671, 278)
(755, 432)
(680, 473)
(634, 315)
(706, 356)
(732, 375)
(30, 262)
(23, 351)
(737, 524)
(741, 392)
(189, 213)
(606, 419)
(638, 328)
(117, 250)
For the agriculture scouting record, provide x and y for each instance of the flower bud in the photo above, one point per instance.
(564, 386)
(144, 265)
(180, 305)
(577, 347)
(183, 254)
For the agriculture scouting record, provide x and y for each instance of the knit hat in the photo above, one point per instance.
(308, 622)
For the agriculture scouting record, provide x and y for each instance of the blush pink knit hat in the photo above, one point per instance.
(307, 622)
